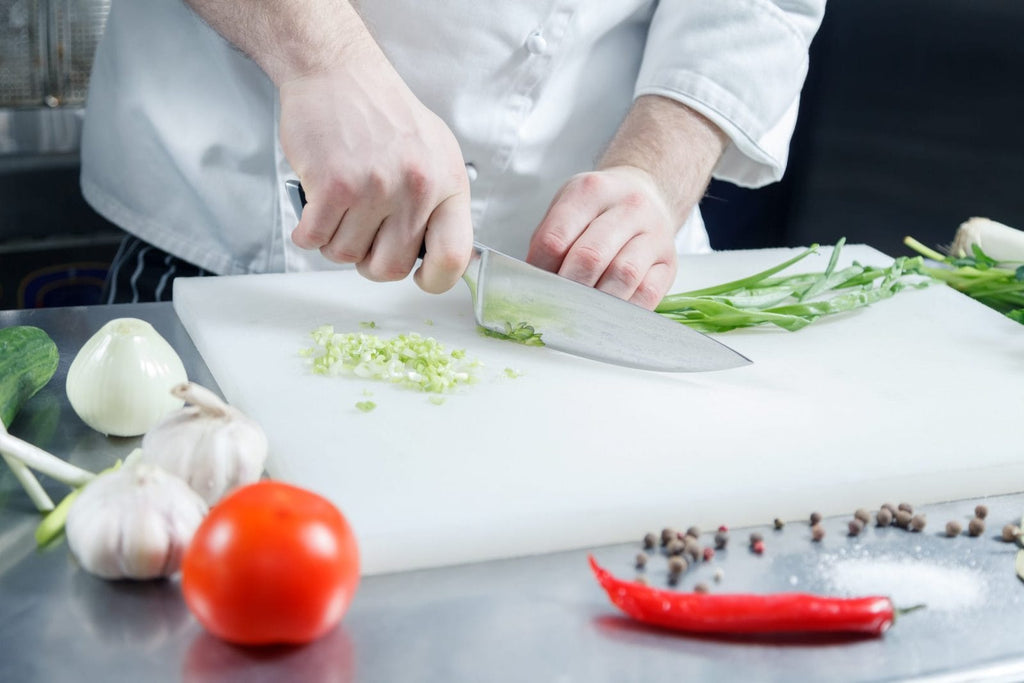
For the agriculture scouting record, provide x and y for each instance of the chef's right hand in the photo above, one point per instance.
(382, 174)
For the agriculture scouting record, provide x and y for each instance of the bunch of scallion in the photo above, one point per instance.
(997, 284)
(794, 301)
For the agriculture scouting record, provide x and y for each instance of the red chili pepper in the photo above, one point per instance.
(739, 613)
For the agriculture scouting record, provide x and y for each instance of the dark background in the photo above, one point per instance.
(911, 121)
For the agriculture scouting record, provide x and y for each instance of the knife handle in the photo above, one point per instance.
(297, 196)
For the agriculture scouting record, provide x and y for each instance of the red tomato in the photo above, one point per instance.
(271, 563)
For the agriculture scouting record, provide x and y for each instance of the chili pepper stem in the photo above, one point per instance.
(900, 611)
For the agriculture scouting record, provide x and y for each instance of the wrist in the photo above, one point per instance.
(677, 147)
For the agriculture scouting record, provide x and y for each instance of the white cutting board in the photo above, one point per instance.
(918, 398)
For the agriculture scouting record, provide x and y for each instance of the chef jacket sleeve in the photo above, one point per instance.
(742, 64)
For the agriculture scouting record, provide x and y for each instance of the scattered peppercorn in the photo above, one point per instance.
(918, 522)
(976, 527)
(906, 507)
(953, 528)
(721, 539)
(755, 537)
(863, 515)
(815, 518)
(981, 512)
(701, 588)
(1011, 532)
(650, 540)
(709, 553)
(855, 527)
(692, 548)
(884, 517)
(891, 508)
(693, 532)
(817, 533)
(779, 523)
(758, 547)
(723, 528)
(719, 575)
(675, 547)
(667, 534)
(903, 518)
(677, 565)
(641, 561)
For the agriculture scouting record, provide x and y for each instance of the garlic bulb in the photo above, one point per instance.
(209, 444)
(120, 381)
(133, 523)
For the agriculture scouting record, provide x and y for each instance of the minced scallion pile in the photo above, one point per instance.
(410, 360)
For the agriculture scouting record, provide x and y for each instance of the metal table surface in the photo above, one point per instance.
(540, 618)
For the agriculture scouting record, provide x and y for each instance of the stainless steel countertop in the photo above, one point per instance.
(539, 618)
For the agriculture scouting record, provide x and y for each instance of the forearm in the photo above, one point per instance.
(675, 145)
(290, 39)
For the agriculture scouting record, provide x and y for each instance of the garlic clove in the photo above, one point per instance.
(120, 381)
(211, 445)
(133, 523)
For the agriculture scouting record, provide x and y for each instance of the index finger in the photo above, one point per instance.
(448, 243)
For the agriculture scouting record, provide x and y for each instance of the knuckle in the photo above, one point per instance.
(646, 295)
(551, 242)
(418, 184)
(626, 273)
(634, 200)
(339, 254)
(587, 259)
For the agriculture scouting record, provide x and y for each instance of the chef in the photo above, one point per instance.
(577, 135)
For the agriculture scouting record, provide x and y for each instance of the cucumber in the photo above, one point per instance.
(28, 359)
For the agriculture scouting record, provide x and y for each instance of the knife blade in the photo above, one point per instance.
(576, 319)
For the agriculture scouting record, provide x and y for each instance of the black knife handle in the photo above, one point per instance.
(297, 196)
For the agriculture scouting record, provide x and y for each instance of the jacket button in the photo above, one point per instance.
(536, 43)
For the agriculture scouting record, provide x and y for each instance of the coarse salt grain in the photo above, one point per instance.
(909, 582)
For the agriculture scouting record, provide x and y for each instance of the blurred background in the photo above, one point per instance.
(910, 123)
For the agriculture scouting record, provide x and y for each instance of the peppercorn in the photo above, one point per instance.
(675, 547)
(650, 540)
(701, 588)
(673, 579)
(709, 553)
(815, 518)
(884, 517)
(641, 561)
(906, 507)
(1011, 532)
(855, 527)
(692, 548)
(976, 527)
(981, 512)
(693, 532)
(758, 547)
(779, 523)
(677, 565)
(863, 515)
(755, 537)
(667, 534)
(723, 528)
(918, 522)
(719, 575)
(721, 539)
(953, 528)
(903, 518)
(891, 508)
(817, 533)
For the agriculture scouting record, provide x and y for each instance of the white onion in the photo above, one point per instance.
(120, 381)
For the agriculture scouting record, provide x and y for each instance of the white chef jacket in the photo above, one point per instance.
(180, 144)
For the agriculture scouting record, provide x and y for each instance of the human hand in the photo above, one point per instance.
(382, 174)
(610, 229)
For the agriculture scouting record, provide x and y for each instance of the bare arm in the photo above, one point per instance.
(382, 173)
(614, 228)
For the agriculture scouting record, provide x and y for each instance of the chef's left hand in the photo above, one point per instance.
(611, 229)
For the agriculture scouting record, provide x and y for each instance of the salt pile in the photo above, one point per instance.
(909, 582)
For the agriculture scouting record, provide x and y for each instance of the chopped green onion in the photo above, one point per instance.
(410, 360)
(365, 406)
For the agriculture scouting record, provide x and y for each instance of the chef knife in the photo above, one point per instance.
(577, 319)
